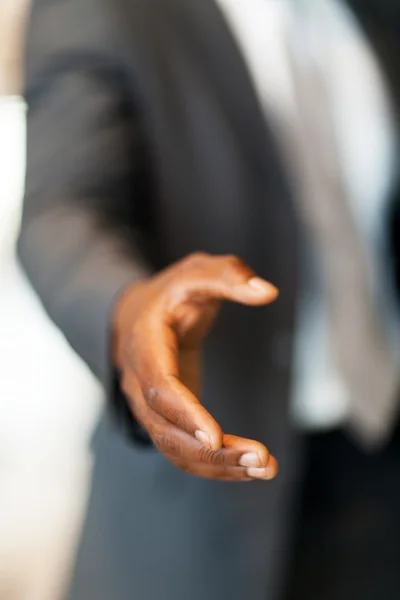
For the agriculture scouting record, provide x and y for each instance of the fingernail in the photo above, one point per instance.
(265, 473)
(262, 286)
(204, 438)
(250, 460)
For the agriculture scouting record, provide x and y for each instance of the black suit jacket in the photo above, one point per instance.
(145, 143)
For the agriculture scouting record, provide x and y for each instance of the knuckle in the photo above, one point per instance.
(233, 262)
(152, 395)
(180, 418)
(175, 292)
(221, 458)
(211, 457)
(205, 454)
(196, 258)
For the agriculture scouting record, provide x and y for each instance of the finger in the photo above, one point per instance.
(238, 474)
(174, 442)
(234, 473)
(252, 453)
(172, 400)
(267, 473)
(165, 394)
(175, 438)
(223, 473)
(153, 360)
(190, 455)
(180, 407)
(177, 444)
(223, 278)
(255, 456)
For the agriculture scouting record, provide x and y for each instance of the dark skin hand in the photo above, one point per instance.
(159, 327)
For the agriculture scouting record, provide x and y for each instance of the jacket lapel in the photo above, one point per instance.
(211, 38)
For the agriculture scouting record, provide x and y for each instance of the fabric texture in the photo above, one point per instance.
(146, 142)
(310, 92)
(360, 345)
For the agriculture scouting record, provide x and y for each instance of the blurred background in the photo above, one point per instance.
(44, 471)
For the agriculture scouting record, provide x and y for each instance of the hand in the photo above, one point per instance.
(159, 326)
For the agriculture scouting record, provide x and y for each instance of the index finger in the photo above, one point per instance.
(158, 375)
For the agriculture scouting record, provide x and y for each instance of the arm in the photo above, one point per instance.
(82, 162)
(79, 204)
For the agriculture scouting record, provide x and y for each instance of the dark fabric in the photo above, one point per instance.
(145, 143)
(149, 160)
(348, 543)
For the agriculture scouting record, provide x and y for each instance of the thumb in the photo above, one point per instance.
(229, 278)
(254, 292)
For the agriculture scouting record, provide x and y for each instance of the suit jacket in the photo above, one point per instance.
(145, 143)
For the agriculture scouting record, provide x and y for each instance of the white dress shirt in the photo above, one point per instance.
(324, 31)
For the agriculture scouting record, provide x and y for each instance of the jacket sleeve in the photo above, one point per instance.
(77, 240)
